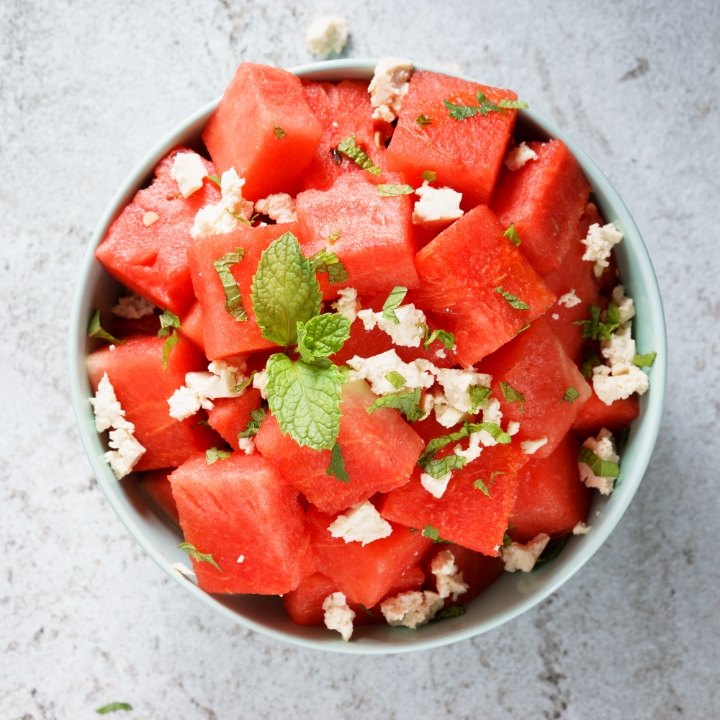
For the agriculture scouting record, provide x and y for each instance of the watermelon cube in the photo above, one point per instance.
(229, 416)
(463, 272)
(191, 325)
(156, 485)
(544, 199)
(265, 129)
(242, 512)
(147, 256)
(379, 449)
(596, 415)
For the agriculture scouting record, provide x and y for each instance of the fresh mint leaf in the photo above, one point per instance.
(434, 535)
(168, 345)
(334, 237)
(202, 423)
(325, 262)
(480, 485)
(601, 468)
(168, 323)
(364, 609)
(113, 707)
(406, 403)
(337, 465)
(512, 395)
(590, 326)
(478, 396)
(389, 190)
(279, 132)
(645, 360)
(305, 399)
(254, 423)
(358, 155)
(449, 612)
(492, 478)
(590, 360)
(395, 379)
(242, 218)
(213, 455)
(95, 330)
(215, 179)
(245, 383)
(284, 291)
(322, 335)
(438, 443)
(429, 175)
(513, 104)
(461, 112)
(395, 298)
(511, 234)
(570, 396)
(522, 329)
(445, 337)
(233, 299)
(423, 120)
(611, 322)
(513, 300)
(493, 429)
(196, 555)
(552, 550)
(507, 541)
(438, 467)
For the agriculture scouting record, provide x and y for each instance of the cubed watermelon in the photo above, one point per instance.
(229, 416)
(156, 485)
(596, 415)
(124, 327)
(191, 325)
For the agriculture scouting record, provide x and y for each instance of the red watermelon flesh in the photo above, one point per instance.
(265, 129)
(230, 416)
(152, 260)
(135, 370)
(544, 199)
(223, 335)
(467, 154)
(376, 243)
(124, 327)
(535, 364)
(343, 110)
(596, 415)
(379, 449)
(459, 271)
(551, 499)
(191, 325)
(463, 515)
(365, 574)
(237, 507)
(156, 485)
(575, 274)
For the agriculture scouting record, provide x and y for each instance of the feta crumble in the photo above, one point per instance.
(389, 87)
(518, 156)
(260, 382)
(449, 580)
(474, 449)
(436, 206)
(125, 453)
(530, 447)
(132, 307)
(491, 414)
(600, 242)
(570, 299)
(347, 304)
(412, 609)
(229, 214)
(618, 382)
(604, 447)
(409, 332)
(513, 428)
(555, 316)
(361, 523)
(327, 35)
(625, 305)
(241, 559)
(201, 388)
(183, 569)
(375, 368)
(150, 218)
(107, 408)
(523, 557)
(246, 445)
(338, 616)
(456, 384)
(188, 170)
(435, 486)
(581, 529)
(279, 207)
(619, 349)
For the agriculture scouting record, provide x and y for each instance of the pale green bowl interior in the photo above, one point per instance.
(510, 596)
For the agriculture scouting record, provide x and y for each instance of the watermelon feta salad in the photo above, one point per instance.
(373, 350)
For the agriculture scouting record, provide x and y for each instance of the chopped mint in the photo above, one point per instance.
(507, 541)
(593, 329)
(390, 190)
(590, 360)
(233, 299)
(463, 112)
(645, 360)
(590, 326)
(279, 132)
(406, 403)
(337, 465)
(438, 467)
(480, 485)
(395, 298)
(601, 468)
(512, 395)
(213, 455)
(168, 323)
(438, 443)
(511, 234)
(552, 550)
(364, 609)
(478, 396)
(284, 291)
(434, 535)
(202, 423)
(168, 345)
(245, 383)
(395, 379)
(322, 335)
(423, 120)
(358, 155)
(494, 473)
(242, 218)
(522, 329)
(449, 612)
(113, 707)
(513, 104)
(513, 300)
(253, 425)
(570, 396)
(445, 337)
(325, 262)
(305, 399)
(429, 175)
(493, 429)
(95, 330)
(334, 237)
(196, 555)
(215, 179)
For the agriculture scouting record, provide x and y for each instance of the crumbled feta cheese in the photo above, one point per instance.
(229, 214)
(518, 156)
(260, 382)
(569, 299)
(389, 87)
(125, 453)
(241, 559)
(133, 307)
(604, 447)
(327, 35)
(581, 529)
(474, 448)
(111, 347)
(347, 304)
(456, 384)
(435, 486)
(188, 170)
(555, 316)
(150, 218)
(408, 332)
(338, 616)
(440, 353)
(436, 206)
(375, 368)
(279, 207)
(618, 382)
(625, 305)
(620, 348)
(201, 388)
(445, 414)
(513, 428)
(523, 557)
(449, 580)
(107, 409)
(247, 445)
(182, 569)
(530, 447)
(600, 242)
(411, 609)
(361, 523)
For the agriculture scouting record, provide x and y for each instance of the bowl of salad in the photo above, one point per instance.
(368, 357)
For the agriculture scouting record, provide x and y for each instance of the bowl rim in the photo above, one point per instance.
(646, 434)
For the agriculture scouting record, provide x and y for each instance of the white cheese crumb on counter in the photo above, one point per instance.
(449, 580)
(107, 408)
(625, 305)
(375, 368)
(618, 382)
(523, 557)
(408, 332)
(229, 214)
(530, 447)
(327, 35)
(412, 609)
(279, 207)
(188, 171)
(361, 523)
(260, 382)
(201, 388)
(582, 529)
(125, 453)
(338, 616)
(569, 299)
(600, 242)
(604, 447)
(435, 486)
(436, 206)
(347, 304)
(132, 307)
(389, 87)
(246, 445)
(241, 559)
(183, 569)
(518, 156)
(513, 428)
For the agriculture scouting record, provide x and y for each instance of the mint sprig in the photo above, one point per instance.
(395, 379)
(478, 396)
(233, 298)
(322, 335)
(279, 132)
(479, 484)
(594, 329)
(429, 175)
(423, 120)
(337, 465)
(358, 155)
(590, 360)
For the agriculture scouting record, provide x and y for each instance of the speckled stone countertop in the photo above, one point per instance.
(86, 88)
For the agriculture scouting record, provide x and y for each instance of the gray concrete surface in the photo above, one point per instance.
(85, 618)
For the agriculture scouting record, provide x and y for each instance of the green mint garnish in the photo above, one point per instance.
(395, 379)
(202, 423)
(436, 444)
(213, 455)
(253, 426)
(645, 360)
(512, 300)
(95, 330)
(364, 609)
(337, 465)
(395, 298)
(449, 612)
(590, 360)
(445, 337)
(438, 467)
(522, 329)
(513, 104)
(215, 179)
(429, 175)
(593, 329)
(322, 335)
(512, 395)
(478, 396)
(279, 132)
(423, 120)
(511, 234)
(481, 486)
(232, 293)
(196, 555)
(242, 218)
(334, 237)
(484, 106)
(433, 534)
(113, 707)
(325, 262)
(390, 190)
(507, 541)
(493, 474)
(357, 155)
(245, 383)
(552, 549)
(601, 468)
(169, 323)
(493, 429)
(168, 345)
(406, 403)
(570, 396)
